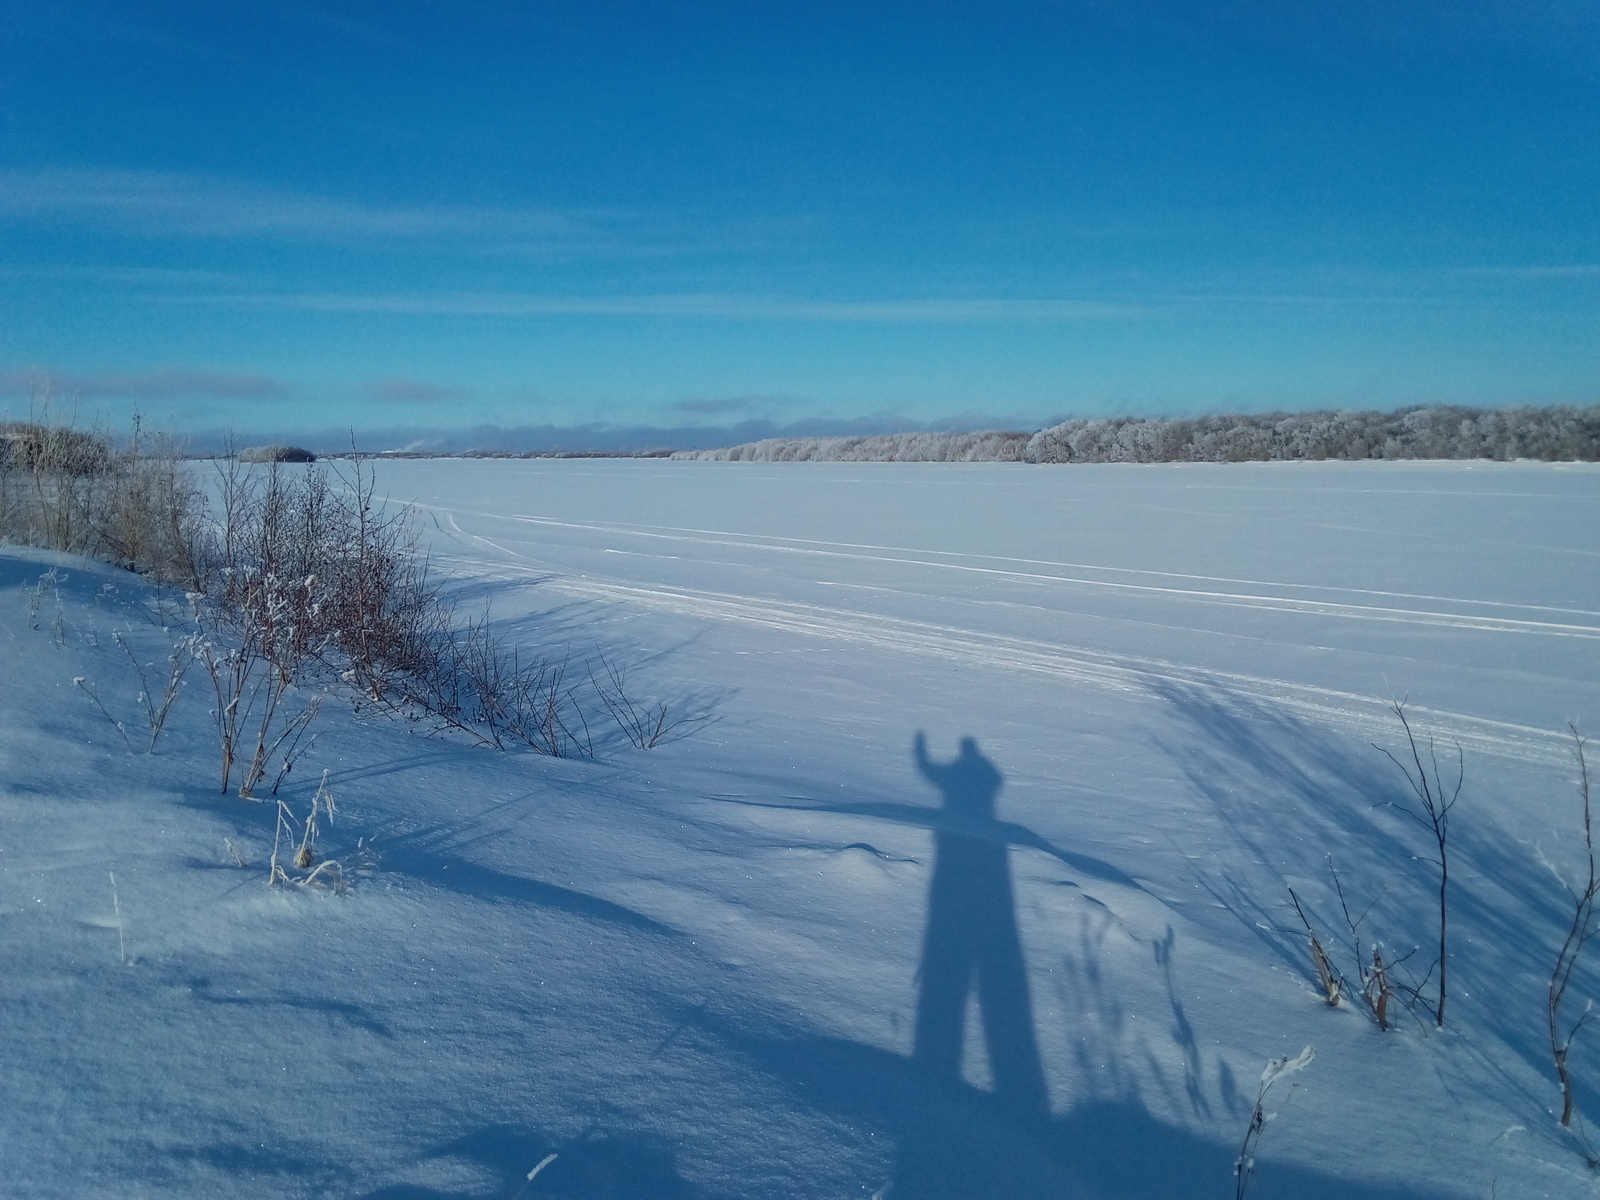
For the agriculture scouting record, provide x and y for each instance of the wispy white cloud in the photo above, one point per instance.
(177, 204)
(734, 307)
(162, 383)
(1535, 272)
(159, 277)
(691, 305)
(413, 391)
(721, 404)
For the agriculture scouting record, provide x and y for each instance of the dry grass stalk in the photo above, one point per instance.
(304, 856)
(88, 689)
(46, 586)
(1244, 1166)
(1377, 991)
(157, 708)
(1332, 982)
(116, 909)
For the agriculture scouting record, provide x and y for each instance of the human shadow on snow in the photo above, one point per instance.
(943, 1138)
(971, 943)
(955, 1141)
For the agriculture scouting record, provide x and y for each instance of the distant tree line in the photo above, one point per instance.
(1554, 434)
(992, 446)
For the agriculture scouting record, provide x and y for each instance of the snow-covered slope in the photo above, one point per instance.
(696, 971)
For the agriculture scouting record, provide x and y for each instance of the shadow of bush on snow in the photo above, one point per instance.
(1262, 771)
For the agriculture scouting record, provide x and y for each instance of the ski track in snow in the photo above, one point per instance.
(1362, 716)
(902, 556)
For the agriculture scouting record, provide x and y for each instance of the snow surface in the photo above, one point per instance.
(694, 971)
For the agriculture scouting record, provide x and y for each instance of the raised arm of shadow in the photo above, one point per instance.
(971, 945)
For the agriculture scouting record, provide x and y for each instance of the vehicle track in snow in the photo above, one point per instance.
(1366, 717)
(1494, 616)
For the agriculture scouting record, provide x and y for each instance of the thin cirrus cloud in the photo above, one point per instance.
(1535, 272)
(162, 383)
(697, 305)
(172, 278)
(179, 204)
(726, 404)
(413, 391)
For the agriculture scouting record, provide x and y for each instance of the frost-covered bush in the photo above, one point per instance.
(315, 576)
(336, 575)
(276, 453)
(1557, 434)
(26, 445)
(301, 577)
(132, 504)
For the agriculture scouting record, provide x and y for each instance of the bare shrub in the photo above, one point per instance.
(365, 609)
(1435, 798)
(645, 724)
(1581, 931)
(252, 680)
(470, 683)
(303, 578)
(1377, 977)
(344, 569)
(545, 714)
(150, 518)
(1372, 973)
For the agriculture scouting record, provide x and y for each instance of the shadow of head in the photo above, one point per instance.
(969, 782)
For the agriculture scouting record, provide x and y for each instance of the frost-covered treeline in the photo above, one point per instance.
(992, 446)
(1562, 434)
(1555, 434)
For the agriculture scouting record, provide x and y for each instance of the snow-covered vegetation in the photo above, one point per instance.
(276, 452)
(1550, 434)
(78, 492)
(992, 446)
(811, 952)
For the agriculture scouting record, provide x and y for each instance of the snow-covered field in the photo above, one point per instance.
(696, 971)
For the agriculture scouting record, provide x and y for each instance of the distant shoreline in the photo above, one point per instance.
(1550, 433)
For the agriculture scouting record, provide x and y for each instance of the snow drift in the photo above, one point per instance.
(737, 966)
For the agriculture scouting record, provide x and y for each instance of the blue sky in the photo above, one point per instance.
(438, 216)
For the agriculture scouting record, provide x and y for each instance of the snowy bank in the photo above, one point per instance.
(700, 970)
